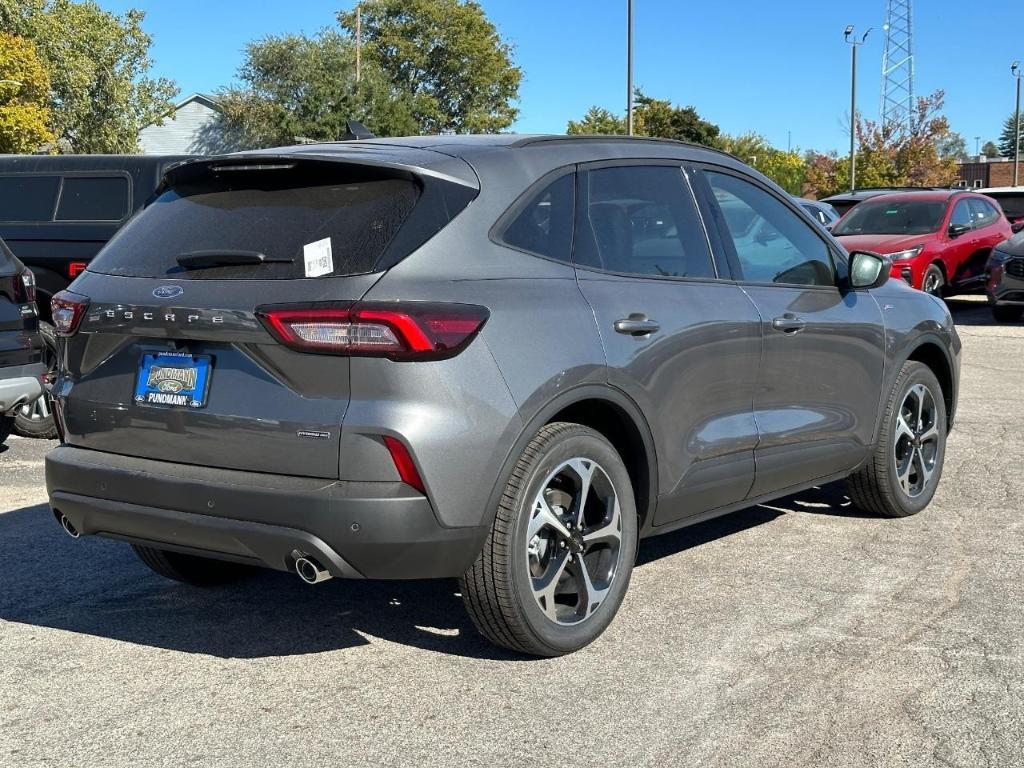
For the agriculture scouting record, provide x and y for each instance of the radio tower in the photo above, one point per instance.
(898, 66)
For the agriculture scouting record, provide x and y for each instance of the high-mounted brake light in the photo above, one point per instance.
(397, 330)
(67, 310)
(75, 268)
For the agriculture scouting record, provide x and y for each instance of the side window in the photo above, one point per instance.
(982, 213)
(100, 198)
(642, 220)
(772, 243)
(28, 198)
(544, 225)
(961, 215)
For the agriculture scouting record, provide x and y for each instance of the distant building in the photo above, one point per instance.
(192, 128)
(981, 172)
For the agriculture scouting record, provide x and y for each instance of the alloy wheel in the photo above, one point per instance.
(916, 448)
(574, 539)
(932, 283)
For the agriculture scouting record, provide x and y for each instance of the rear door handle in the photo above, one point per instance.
(788, 324)
(637, 325)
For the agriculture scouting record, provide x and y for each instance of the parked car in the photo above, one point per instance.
(497, 358)
(56, 212)
(1011, 200)
(844, 201)
(1005, 286)
(938, 241)
(821, 212)
(21, 369)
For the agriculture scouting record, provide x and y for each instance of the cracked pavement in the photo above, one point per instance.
(798, 633)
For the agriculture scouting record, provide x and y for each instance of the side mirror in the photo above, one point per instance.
(868, 270)
(955, 230)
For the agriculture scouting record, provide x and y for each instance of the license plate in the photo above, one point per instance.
(172, 379)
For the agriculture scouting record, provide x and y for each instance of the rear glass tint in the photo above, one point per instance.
(28, 198)
(99, 198)
(273, 212)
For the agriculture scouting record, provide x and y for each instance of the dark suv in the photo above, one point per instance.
(497, 358)
(21, 369)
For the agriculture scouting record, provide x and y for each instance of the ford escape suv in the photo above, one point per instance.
(498, 358)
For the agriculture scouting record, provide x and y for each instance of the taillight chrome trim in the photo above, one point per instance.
(421, 330)
(61, 305)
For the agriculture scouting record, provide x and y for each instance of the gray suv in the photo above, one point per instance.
(499, 358)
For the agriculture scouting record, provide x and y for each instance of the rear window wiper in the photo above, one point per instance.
(221, 258)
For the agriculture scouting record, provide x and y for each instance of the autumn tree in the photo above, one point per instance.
(445, 57)
(98, 64)
(24, 96)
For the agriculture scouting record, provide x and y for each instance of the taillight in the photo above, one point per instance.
(75, 268)
(67, 310)
(404, 463)
(398, 330)
(25, 287)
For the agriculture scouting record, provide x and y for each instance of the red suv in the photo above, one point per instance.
(938, 241)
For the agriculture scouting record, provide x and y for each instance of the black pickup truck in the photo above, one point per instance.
(56, 213)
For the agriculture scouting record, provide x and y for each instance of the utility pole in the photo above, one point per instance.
(854, 45)
(977, 145)
(359, 41)
(629, 67)
(1015, 69)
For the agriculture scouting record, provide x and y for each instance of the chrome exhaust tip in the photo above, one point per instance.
(68, 527)
(310, 571)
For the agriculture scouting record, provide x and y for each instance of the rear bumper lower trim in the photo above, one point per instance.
(24, 387)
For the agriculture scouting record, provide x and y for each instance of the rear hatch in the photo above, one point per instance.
(19, 344)
(171, 360)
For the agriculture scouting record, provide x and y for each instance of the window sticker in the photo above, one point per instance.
(318, 257)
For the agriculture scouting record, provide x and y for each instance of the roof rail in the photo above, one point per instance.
(527, 141)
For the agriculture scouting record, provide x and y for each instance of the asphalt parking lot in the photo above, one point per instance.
(800, 633)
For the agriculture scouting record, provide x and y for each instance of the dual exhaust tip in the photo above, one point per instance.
(309, 569)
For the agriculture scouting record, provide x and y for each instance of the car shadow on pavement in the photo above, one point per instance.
(96, 586)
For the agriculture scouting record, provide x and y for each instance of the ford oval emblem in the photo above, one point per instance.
(168, 291)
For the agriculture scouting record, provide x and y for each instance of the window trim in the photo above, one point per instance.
(582, 202)
(61, 176)
(837, 256)
(496, 234)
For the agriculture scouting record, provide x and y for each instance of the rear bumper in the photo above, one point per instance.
(380, 530)
(20, 385)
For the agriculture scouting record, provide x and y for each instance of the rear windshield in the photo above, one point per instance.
(297, 221)
(898, 217)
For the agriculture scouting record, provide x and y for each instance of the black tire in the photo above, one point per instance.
(6, 424)
(933, 281)
(876, 487)
(498, 590)
(190, 569)
(36, 419)
(1007, 314)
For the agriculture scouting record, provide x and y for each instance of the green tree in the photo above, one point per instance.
(446, 57)
(598, 120)
(298, 88)
(952, 145)
(787, 169)
(1007, 137)
(989, 149)
(98, 64)
(651, 117)
(24, 97)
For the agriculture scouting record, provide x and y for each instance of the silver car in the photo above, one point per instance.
(503, 359)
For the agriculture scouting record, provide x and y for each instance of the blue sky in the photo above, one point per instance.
(771, 67)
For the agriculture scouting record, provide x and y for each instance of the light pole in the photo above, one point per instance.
(629, 67)
(1015, 70)
(854, 45)
(977, 145)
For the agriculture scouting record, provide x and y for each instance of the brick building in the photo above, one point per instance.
(981, 172)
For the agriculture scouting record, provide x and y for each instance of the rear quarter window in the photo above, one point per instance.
(99, 198)
(28, 197)
(277, 213)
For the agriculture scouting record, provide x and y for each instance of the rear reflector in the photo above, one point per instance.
(399, 330)
(67, 310)
(404, 464)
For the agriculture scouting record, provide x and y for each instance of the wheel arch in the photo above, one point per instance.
(930, 352)
(614, 415)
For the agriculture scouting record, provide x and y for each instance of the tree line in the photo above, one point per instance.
(76, 78)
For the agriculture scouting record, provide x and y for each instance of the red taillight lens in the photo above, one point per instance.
(67, 310)
(25, 287)
(399, 331)
(75, 268)
(404, 463)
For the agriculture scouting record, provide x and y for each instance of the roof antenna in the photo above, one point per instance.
(354, 131)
